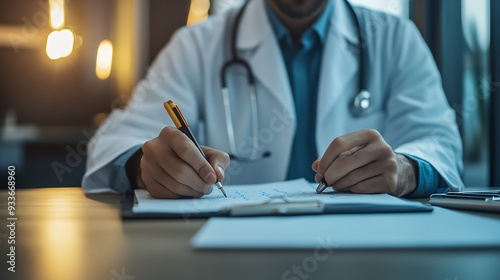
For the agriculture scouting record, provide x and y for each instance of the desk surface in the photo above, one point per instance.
(64, 234)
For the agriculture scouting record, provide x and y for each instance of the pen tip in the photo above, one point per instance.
(219, 186)
(321, 187)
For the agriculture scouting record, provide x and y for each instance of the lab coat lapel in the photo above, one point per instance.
(260, 48)
(340, 65)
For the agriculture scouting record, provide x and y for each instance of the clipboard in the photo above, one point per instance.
(277, 206)
(486, 201)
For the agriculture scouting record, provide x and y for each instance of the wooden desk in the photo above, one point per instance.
(63, 234)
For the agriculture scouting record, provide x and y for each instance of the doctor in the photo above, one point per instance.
(295, 107)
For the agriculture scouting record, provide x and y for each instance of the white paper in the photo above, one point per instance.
(438, 229)
(294, 190)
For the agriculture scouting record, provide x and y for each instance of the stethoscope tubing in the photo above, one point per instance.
(359, 105)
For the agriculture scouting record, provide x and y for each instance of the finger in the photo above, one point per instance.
(343, 165)
(157, 190)
(219, 161)
(184, 174)
(187, 151)
(171, 184)
(181, 189)
(371, 185)
(162, 159)
(346, 143)
(357, 175)
(315, 164)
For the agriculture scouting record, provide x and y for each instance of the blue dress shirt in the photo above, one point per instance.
(303, 64)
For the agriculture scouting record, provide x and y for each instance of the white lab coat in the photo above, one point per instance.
(409, 106)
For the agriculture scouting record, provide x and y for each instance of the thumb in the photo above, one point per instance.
(219, 161)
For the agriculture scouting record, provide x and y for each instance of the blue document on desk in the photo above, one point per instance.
(295, 197)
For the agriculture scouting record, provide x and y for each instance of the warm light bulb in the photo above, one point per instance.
(60, 44)
(104, 60)
(56, 13)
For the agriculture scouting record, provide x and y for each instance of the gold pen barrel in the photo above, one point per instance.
(169, 106)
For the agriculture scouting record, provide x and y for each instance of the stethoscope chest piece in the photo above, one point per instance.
(361, 103)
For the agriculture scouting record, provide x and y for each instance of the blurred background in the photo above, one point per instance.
(65, 64)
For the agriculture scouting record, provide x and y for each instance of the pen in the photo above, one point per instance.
(180, 122)
(323, 184)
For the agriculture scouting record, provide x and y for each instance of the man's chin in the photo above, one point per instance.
(298, 8)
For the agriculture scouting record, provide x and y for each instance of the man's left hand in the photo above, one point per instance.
(363, 162)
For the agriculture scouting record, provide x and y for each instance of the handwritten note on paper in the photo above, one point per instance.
(294, 190)
(236, 195)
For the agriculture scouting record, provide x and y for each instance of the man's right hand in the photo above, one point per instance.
(172, 167)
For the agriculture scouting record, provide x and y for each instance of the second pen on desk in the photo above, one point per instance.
(181, 123)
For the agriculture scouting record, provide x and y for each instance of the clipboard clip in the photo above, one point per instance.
(282, 208)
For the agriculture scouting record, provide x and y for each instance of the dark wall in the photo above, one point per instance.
(166, 16)
(64, 92)
(46, 93)
(61, 92)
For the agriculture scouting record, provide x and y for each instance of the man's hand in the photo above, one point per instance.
(364, 163)
(172, 167)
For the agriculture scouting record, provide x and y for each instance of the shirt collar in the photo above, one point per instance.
(320, 26)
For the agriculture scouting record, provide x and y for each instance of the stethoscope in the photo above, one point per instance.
(359, 105)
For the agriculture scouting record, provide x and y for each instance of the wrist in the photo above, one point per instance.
(133, 170)
(407, 175)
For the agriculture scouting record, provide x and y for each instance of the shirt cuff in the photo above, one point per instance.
(429, 180)
(119, 180)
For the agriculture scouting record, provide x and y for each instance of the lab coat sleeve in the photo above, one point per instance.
(173, 75)
(420, 121)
